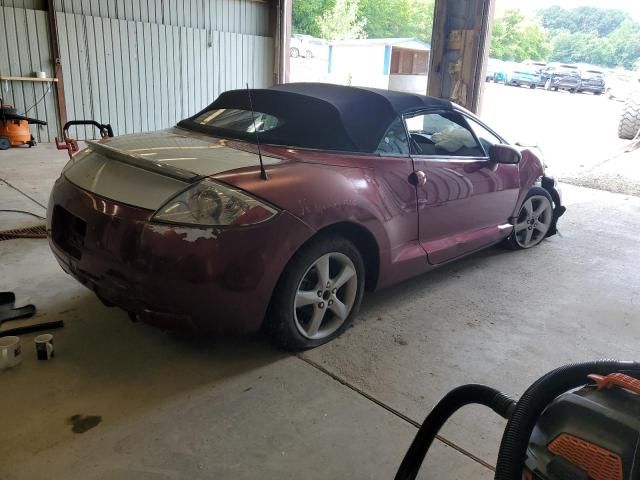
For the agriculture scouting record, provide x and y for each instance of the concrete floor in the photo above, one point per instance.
(176, 407)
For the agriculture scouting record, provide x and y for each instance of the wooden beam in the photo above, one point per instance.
(459, 47)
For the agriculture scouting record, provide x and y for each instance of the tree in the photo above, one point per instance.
(604, 37)
(341, 21)
(397, 18)
(625, 44)
(582, 19)
(515, 38)
(305, 14)
(582, 48)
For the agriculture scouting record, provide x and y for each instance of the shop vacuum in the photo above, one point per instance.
(578, 422)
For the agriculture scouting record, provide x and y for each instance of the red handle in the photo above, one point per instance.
(69, 144)
(618, 380)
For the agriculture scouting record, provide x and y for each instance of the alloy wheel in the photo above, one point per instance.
(325, 296)
(534, 221)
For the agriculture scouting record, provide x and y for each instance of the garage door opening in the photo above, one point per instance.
(565, 78)
(371, 43)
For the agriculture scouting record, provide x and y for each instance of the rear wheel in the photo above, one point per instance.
(5, 143)
(534, 220)
(318, 294)
(532, 86)
(294, 52)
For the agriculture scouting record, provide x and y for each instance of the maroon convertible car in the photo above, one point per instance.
(358, 188)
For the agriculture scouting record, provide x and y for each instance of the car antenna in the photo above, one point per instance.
(263, 172)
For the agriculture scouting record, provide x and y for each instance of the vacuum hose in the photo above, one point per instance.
(515, 440)
(522, 415)
(452, 402)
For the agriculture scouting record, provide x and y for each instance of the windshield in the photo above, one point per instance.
(238, 120)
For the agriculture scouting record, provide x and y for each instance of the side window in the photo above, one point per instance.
(442, 134)
(394, 141)
(486, 138)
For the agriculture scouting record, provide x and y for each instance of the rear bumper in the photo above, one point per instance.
(217, 280)
(585, 87)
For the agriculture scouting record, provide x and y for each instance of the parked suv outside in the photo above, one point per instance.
(592, 80)
(560, 76)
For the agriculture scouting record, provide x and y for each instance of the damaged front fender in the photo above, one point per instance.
(551, 185)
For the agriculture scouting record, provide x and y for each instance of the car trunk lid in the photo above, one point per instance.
(146, 170)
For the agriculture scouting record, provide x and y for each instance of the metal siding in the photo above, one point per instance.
(47, 109)
(145, 65)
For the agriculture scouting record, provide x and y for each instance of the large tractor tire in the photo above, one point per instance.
(630, 118)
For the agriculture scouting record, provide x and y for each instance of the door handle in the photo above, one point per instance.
(417, 178)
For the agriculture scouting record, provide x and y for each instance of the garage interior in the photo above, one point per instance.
(126, 399)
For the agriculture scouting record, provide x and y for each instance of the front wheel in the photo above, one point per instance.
(318, 294)
(534, 220)
(294, 52)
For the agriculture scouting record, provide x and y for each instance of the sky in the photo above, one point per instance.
(530, 6)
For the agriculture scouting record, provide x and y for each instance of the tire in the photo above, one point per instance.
(532, 86)
(597, 93)
(629, 123)
(537, 199)
(314, 322)
(5, 143)
(555, 89)
(294, 52)
(572, 90)
(308, 54)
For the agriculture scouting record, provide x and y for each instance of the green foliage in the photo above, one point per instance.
(397, 18)
(515, 38)
(305, 15)
(604, 37)
(377, 18)
(625, 44)
(582, 48)
(341, 21)
(582, 19)
(600, 36)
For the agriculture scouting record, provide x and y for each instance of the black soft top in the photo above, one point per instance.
(320, 115)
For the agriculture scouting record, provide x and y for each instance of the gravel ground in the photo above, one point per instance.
(577, 134)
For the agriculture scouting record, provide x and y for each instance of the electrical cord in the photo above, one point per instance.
(41, 98)
(23, 211)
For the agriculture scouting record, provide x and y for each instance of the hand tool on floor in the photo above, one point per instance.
(578, 422)
(8, 312)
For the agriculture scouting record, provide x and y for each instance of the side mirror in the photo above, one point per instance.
(499, 153)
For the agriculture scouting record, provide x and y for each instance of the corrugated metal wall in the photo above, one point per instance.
(24, 49)
(143, 65)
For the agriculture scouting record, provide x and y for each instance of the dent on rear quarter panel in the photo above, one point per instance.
(530, 169)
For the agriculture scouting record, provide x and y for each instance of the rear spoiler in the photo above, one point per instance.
(143, 163)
